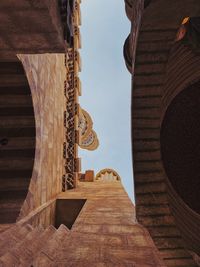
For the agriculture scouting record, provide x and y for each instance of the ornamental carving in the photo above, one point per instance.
(69, 123)
(91, 142)
(107, 175)
(88, 137)
(85, 123)
(71, 92)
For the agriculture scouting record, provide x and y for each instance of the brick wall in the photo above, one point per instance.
(46, 75)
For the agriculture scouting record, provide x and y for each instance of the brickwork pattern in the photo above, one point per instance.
(105, 234)
(46, 75)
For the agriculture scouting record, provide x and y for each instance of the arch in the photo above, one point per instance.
(107, 175)
(177, 138)
(17, 139)
(179, 113)
(180, 131)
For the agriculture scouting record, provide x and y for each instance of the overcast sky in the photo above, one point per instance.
(106, 87)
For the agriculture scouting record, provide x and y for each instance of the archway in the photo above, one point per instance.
(180, 151)
(17, 139)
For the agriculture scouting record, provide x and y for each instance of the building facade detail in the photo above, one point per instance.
(72, 92)
(163, 66)
(88, 137)
(107, 175)
(105, 232)
(85, 123)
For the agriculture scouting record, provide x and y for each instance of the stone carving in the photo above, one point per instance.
(91, 142)
(85, 123)
(69, 122)
(107, 175)
(89, 139)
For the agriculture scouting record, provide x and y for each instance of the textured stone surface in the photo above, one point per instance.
(156, 202)
(105, 232)
(183, 70)
(46, 75)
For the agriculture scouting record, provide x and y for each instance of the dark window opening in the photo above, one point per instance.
(67, 210)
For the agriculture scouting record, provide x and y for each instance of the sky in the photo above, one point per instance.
(106, 87)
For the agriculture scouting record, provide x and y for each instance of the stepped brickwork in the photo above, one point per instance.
(104, 234)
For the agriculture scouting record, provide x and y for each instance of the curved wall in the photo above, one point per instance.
(179, 137)
(17, 139)
(180, 149)
(46, 75)
(173, 225)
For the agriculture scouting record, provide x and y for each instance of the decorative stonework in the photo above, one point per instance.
(72, 91)
(88, 137)
(91, 142)
(85, 124)
(107, 175)
(68, 178)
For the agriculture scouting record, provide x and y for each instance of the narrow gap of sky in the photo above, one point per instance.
(106, 87)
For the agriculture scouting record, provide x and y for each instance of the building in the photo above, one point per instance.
(162, 54)
(51, 213)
